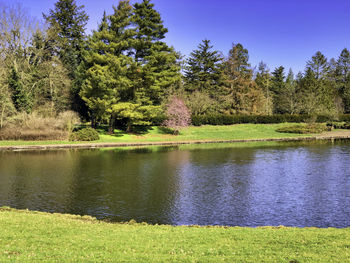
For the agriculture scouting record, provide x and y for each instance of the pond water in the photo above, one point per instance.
(291, 184)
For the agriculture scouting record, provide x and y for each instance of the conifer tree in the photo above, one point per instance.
(67, 40)
(308, 87)
(242, 95)
(106, 66)
(342, 78)
(20, 96)
(321, 88)
(288, 97)
(319, 65)
(277, 87)
(158, 64)
(204, 69)
(67, 23)
(263, 80)
(149, 30)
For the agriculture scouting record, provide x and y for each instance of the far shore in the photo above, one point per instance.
(224, 135)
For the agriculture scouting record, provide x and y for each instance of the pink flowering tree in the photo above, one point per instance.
(178, 115)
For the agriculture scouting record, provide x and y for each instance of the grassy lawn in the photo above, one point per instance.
(40, 237)
(156, 134)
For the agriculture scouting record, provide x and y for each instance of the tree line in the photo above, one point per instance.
(124, 73)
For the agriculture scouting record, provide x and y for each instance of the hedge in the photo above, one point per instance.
(222, 119)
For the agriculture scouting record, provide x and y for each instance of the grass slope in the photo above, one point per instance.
(41, 237)
(156, 134)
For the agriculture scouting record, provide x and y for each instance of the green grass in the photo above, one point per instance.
(40, 237)
(156, 134)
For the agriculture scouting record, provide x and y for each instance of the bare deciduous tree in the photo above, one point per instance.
(16, 30)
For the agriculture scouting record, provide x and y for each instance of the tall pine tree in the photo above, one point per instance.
(68, 21)
(318, 86)
(67, 40)
(204, 70)
(106, 67)
(277, 87)
(158, 64)
(342, 77)
(242, 95)
(263, 80)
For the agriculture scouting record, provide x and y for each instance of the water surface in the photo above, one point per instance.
(294, 184)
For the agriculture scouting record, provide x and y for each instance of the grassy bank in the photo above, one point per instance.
(157, 134)
(40, 237)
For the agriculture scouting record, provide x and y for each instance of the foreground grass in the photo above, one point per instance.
(156, 134)
(40, 237)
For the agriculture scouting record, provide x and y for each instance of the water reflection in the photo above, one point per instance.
(293, 184)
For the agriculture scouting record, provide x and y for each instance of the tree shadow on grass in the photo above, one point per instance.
(103, 129)
(136, 130)
(141, 130)
(165, 130)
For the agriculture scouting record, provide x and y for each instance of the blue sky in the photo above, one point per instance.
(279, 32)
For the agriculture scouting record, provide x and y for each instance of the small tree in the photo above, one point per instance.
(178, 115)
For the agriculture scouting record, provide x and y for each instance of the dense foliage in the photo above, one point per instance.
(86, 134)
(124, 73)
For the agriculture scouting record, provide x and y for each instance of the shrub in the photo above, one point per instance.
(305, 129)
(33, 126)
(68, 120)
(86, 134)
(178, 115)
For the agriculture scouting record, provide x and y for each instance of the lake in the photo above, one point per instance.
(292, 184)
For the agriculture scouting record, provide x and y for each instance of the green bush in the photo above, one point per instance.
(305, 129)
(86, 134)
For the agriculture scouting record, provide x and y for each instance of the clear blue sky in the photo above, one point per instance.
(279, 32)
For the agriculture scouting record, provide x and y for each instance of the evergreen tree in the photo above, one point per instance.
(67, 40)
(158, 64)
(277, 87)
(289, 98)
(242, 94)
(320, 87)
(342, 78)
(204, 70)
(67, 23)
(263, 80)
(106, 67)
(237, 62)
(285, 90)
(20, 96)
(319, 65)
(149, 29)
(308, 88)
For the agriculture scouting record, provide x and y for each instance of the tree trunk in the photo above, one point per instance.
(111, 125)
(128, 127)
(93, 122)
(2, 116)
